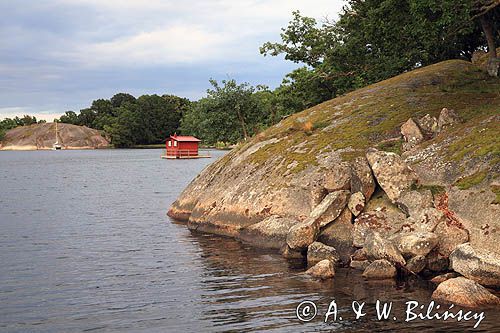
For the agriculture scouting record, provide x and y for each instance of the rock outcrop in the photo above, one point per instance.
(480, 266)
(463, 292)
(43, 137)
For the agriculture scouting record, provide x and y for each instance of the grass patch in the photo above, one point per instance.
(472, 180)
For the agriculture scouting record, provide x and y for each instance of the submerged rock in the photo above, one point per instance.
(380, 270)
(317, 252)
(483, 267)
(377, 247)
(464, 292)
(270, 232)
(289, 253)
(323, 270)
(391, 172)
(359, 264)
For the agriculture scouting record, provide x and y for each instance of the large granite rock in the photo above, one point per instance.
(338, 178)
(417, 243)
(330, 207)
(380, 270)
(356, 203)
(413, 202)
(447, 117)
(362, 178)
(322, 270)
(464, 292)
(379, 248)
(416, 264)
(480, 266)
(339, 235)
(317, 252)
(303, 234)
(450, 236)
(412, 134)
(391, 172)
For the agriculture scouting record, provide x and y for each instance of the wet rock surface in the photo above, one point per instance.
(317, 252)
(464, 292)
(322, 270)
(380, 270)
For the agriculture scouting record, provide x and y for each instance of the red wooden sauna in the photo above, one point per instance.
(182, 147)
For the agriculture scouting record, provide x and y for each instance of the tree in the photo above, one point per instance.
(70, 117)
(121, 98)
(488, 14)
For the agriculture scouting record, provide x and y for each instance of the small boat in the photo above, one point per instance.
(56, 145)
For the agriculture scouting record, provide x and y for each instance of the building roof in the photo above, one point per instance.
(182, 138)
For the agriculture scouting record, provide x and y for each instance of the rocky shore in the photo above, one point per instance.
(391, 181)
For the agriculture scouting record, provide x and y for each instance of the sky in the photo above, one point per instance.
(61, 55)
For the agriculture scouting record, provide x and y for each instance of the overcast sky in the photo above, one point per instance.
(60, 55)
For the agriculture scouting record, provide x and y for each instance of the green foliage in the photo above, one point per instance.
(231, 112)
(472, 180)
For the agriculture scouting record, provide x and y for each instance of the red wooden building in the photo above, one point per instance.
(182, 147)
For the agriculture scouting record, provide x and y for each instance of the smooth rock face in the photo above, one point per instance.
(380, 270)
(330, 207)
(417, 243)
(391, 172)
(356, 203)
(447, 118)
(476, 265)
(379, 248)
(303, 234)
(339, 235)
(339, 178)
(270, 232)
(416, 264)
(464, 292)
(412, 134)
(413, 202)
(362, 178)
(317, 252)
(323, 270)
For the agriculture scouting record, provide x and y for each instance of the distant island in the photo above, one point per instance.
(42, 136)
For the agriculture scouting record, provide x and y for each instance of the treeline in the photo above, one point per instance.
(9, 123)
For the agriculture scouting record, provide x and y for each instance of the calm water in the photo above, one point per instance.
(85, 245)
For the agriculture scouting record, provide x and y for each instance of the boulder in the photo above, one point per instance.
(379, 248)
(426, 219)
(450, 236)
(416, 264)
(317, 252)
(443, 277)
(464, 292)
(359, 254)
(413, 202)
(480, 266)
(412, 134)
(359, 264)
(356, 203)
(362, 178)
(303, 234)
(384, 221)
(330, 207)
(417, 243)
(323, 270)
(428, 125)
(380, 270)
(339, 235)
(447, 118)
(338, 178)
(392, 173)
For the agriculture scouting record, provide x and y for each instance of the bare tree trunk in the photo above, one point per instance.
(242, 121)
(493, 61)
